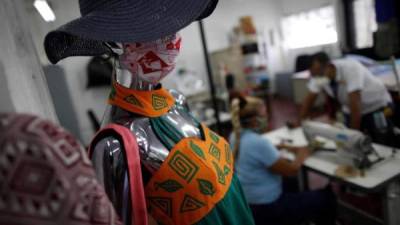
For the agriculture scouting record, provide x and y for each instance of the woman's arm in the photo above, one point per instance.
(289, 148)
(288, 168)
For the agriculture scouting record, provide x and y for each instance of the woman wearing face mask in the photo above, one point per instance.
(260, 169)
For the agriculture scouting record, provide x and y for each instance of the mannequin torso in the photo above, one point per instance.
(108, 158)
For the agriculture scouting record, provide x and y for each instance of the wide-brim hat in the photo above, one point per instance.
(122, 21)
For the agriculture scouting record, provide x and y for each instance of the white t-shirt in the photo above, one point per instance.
(353, 76)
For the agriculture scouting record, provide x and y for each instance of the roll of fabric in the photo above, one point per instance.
(46, 177)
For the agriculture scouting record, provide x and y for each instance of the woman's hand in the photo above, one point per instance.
(302, 152)
(282, 146)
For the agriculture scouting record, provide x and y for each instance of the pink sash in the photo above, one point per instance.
(138, 200)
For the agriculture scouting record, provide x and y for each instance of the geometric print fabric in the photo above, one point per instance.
(46, 177)
(195, 176)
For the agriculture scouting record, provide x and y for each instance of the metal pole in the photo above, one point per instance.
(210, 77)
(396, 73)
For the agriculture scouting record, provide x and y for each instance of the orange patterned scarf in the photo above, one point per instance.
(195, 176)
(146, 103)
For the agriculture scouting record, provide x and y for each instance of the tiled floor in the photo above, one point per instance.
(282, 111)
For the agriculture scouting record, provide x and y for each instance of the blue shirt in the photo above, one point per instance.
(256, 155)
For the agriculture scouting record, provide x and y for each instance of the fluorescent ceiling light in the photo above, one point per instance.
(45, 11)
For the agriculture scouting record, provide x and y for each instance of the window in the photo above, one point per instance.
(312, 28)
(364, 23)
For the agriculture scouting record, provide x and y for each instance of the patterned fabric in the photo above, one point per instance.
(146, 103)
(195, 176)
(46, 177)
(151, 61)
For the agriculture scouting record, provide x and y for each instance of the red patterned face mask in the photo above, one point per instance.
(151, 61)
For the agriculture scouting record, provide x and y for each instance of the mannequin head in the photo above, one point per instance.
(149, 62)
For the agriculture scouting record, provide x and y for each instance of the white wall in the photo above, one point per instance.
(266, 15)
(23, 85)
(84, 99)
(74, 67)
(191, 56)
(295, 6)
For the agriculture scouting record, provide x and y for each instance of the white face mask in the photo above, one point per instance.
(151, 61)
(321, 81)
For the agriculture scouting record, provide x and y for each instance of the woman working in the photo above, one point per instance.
(260, 169)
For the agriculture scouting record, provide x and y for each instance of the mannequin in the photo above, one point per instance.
(107, 151)
(151, 149)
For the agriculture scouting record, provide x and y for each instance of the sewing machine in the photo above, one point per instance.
(349, 143)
